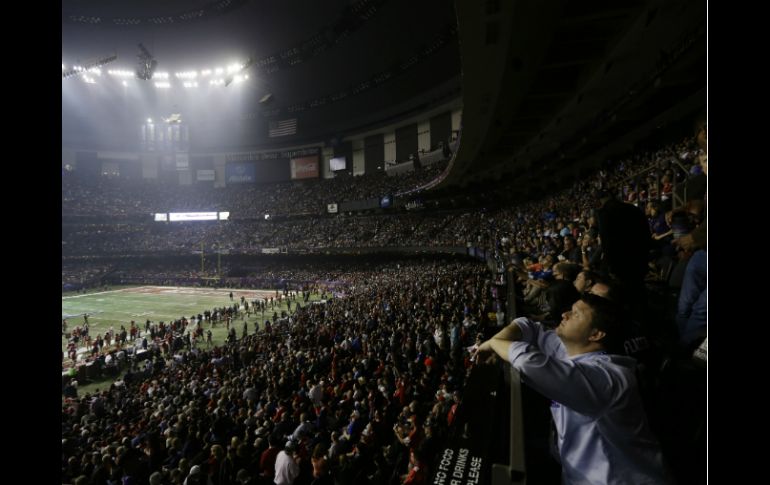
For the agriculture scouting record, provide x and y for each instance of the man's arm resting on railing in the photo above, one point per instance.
(501, 341)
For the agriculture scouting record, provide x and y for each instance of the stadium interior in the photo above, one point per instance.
(290, 228)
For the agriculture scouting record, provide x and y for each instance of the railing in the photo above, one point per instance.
(513, 472)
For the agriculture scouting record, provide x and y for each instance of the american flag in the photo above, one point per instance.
(282, 128)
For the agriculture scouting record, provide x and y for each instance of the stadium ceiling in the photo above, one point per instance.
(551, 87)
(336, 64)
(547, 87)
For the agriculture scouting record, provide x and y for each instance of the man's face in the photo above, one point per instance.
(575, 326)
(580, 282)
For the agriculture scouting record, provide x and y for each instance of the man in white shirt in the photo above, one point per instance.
(286, 469)
(317, 393)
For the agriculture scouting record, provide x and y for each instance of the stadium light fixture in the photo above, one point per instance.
(236, 75)
(87, 67)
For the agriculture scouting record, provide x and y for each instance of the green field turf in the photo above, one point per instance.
(118, 307)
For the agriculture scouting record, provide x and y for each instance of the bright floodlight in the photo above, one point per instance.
(267, 216)
(125, 83)
(149, 120)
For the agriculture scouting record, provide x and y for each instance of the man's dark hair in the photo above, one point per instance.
(570, 271)
(606, 317)
(590, 275)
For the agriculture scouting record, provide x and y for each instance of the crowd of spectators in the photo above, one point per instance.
(362, 388)
(76, 275)
(117, 198)
(526, 229)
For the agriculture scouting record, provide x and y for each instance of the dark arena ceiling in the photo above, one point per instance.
(553, 87)
(335, 65)
(546, 87)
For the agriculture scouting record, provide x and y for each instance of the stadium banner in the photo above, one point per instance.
(182, 161)
(270, 250)
(205, 176)
(150, 138)
(257, 156)
(239, 172)
(331, 208)
(304, 168)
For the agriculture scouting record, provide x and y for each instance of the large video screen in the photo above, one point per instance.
(192, 216)
(337, 163)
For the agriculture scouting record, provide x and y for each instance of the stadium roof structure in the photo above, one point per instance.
(336, 65)
(546, 87)
(552, 87)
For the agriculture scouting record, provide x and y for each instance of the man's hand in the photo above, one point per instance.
(484, 353)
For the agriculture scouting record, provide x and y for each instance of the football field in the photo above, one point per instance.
(111, 309)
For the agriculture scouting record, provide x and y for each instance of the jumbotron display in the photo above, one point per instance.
(192, 216)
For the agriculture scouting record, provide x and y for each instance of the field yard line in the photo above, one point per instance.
(101, 292)
(222, 291)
